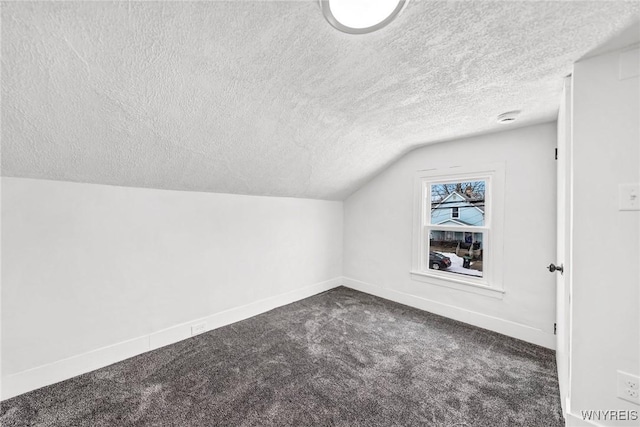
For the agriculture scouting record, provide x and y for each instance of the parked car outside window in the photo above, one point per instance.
(437, 261)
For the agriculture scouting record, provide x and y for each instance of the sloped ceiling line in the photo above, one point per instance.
(266, 98)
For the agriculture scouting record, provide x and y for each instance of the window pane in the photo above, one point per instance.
(458, 203)
(456, 252)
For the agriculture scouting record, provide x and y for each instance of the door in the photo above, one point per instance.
(563, 258)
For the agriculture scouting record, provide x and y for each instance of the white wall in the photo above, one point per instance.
(86, 266)
(378, 233)
(606, 244)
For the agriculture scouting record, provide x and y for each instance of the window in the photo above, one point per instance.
(458, 228)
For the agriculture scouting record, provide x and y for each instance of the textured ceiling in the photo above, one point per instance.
(266, 97)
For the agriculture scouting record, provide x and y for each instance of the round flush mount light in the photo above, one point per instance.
(361, 16)
(508, 117)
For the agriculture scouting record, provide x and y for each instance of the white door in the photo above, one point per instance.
(563, 258)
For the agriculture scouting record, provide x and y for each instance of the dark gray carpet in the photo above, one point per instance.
(338, 358)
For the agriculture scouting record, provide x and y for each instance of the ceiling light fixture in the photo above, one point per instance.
(508, 117)
(361, 16)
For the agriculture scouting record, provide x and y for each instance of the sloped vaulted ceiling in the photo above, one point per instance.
(266, 97)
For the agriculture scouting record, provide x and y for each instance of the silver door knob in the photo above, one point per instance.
(553, 268)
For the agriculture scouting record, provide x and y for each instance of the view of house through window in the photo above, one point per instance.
(456, 227)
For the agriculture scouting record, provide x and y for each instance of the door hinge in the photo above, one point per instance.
(556, 154)
(555, 328)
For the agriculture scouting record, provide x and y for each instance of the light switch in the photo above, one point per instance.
(629, 197)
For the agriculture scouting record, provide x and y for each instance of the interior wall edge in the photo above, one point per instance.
(167, 190)
(41, 376)
(461, 139)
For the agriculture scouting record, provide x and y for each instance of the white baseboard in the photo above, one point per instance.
(505, 327)
(182, 331)
(25, 381)
(32, 379)
(572, 420)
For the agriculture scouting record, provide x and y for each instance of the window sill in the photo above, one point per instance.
(455, 283)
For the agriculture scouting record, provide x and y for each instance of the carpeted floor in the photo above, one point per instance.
(338, 358)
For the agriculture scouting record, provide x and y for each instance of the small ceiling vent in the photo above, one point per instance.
(508, 117)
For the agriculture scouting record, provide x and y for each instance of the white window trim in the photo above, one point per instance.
(491, 283)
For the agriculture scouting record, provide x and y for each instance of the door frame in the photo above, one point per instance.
(564, 248)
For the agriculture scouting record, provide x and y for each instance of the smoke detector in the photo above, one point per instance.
(508, 117)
